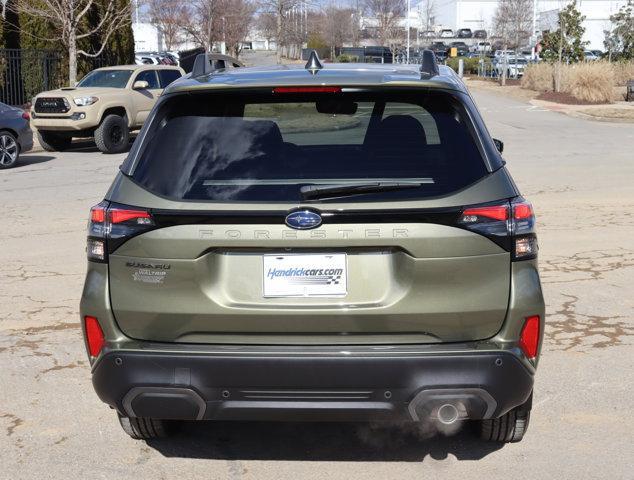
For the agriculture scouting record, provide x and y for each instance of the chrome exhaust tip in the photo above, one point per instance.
(447, 414)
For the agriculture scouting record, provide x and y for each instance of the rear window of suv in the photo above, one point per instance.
(266, 147)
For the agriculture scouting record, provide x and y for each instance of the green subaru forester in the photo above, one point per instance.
(330, 242)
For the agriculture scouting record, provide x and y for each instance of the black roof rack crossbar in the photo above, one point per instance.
(207, 63)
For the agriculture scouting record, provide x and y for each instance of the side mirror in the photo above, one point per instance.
(499, 144)
(140, 85)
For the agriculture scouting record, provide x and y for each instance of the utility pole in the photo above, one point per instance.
(533, 36)
(408, 26)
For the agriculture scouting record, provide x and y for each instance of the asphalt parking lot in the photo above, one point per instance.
(578, 174)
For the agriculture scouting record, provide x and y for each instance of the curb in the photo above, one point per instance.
(572, 112)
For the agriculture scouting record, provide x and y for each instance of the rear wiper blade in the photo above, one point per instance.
(311, 192)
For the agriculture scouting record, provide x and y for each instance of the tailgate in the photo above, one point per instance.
(404, 283)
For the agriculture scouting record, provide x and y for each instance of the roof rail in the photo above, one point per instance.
(429, 65)
(207, 63)
(313, 65)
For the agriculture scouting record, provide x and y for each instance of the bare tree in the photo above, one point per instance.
(68, 17)
(236, 20)
(200, 22)
(212, 21)
(428, 13)
(169, 16)
(267, 25)
(513, 21)
(337, 26)
(290, 24)
(388, 14)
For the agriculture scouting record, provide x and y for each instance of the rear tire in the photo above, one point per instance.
(112, 135)
(9, 149)
(143, 428)
(53, 142)
(510, 427)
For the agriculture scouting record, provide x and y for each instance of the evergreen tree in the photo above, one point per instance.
(566, 44)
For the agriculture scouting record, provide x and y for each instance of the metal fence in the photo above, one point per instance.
(27, 72)
(24, 73)
(514, 70)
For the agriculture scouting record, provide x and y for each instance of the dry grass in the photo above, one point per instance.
(623, 71)
(590, 82)
(538, 77)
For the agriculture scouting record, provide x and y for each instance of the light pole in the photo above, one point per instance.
(533, 36)
(408, 25)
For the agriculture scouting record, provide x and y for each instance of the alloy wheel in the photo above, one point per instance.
(8, 149)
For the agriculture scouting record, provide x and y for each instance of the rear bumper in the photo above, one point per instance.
(350, 386)
(25, 139)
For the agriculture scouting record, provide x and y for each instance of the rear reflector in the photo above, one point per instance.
(307, 90)
(94, 336)
(529, 338)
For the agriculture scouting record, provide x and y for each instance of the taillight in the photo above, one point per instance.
(94, 336)
(111, 225)
(26, 116)
(529, 338)
(493, 212)
(509, 224)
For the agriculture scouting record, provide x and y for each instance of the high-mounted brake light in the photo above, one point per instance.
(307, 90)
(94, 336)
(529, 338)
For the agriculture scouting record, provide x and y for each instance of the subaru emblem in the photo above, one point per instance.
(303, 220)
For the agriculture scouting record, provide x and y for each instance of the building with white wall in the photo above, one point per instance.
(478, 14)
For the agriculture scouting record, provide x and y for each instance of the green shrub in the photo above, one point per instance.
(470, 64)
(343, 58)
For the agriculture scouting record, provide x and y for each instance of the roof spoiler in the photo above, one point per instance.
(207, 63)
(429, 65)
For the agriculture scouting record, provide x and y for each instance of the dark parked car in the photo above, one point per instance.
(462, 48)
(465, 33)
(480, 34)
(16, 135)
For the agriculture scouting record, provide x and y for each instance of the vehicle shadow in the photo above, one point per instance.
(319, 442)
(88, 146)
(27, 159)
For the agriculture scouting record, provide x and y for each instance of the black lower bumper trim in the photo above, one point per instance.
(338, 387)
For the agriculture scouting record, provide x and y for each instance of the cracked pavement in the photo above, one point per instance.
(578, 174)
